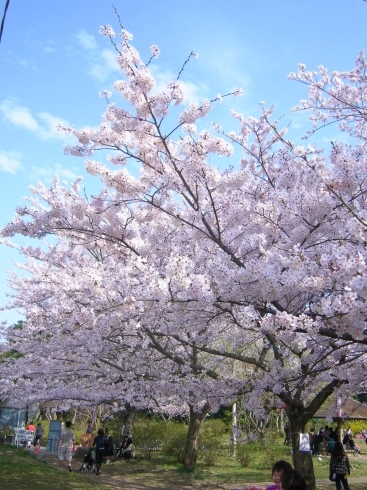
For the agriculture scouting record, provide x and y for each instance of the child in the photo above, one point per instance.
(278, 469)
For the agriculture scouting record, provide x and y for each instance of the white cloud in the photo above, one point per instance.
(10, 161)
(46, 174)
(103, 64)
(14, 59)
(43, 124)
(86, 40)
(48, 49)
(18, 115)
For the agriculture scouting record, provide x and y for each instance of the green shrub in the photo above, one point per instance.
(173, 443)
(212, 439)
(246, 453)
(355, 425)
(261, 456)
(148, 436)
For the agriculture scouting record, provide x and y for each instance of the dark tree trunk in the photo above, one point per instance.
(191, 448)
(298, 416)
(302, 460)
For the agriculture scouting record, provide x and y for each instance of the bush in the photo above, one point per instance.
(246, 453)
(148, 435)
(174, 441)
(355, 425)
(261, 457)
(213, 437)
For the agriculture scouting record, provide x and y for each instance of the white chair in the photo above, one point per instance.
(23, 436)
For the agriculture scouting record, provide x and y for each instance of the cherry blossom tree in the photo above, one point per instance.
(82, 344)
(259, 265)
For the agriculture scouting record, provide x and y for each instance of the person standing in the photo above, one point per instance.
(326, 434)
(312, 436)
(99, 444)
(65, 445)
(31, 426)
(38, 435)
(339, 467)
(286, 435)
(109, 449)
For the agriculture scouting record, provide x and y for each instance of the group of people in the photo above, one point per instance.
(327, 438)
(284, 478)
(105, 448)
(38, 433)
(324, 438)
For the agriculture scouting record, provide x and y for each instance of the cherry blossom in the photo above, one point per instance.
(238, 279)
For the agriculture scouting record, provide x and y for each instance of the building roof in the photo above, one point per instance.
(347, 409)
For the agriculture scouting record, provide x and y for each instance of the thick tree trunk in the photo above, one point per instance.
(302, 460)
(128, 421)
(191, 448)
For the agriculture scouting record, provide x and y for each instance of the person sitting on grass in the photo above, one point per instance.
(123, 445)
(278, 469)
(292, 480)
(348, 441)
(129, 452)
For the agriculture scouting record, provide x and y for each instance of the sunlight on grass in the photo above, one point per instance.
(22, 471)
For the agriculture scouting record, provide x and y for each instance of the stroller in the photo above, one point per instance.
(88, 463)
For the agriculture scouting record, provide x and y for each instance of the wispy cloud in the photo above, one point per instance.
(47, 174)
(86, 40)
(48, 49)
(102, 62)
(43, 124)
(10, 161)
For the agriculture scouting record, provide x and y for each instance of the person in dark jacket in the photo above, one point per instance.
(109, 449)
(99, 445)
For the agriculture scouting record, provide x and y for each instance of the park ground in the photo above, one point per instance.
(23, 470)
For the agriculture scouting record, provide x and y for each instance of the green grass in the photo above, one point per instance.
(22, 471)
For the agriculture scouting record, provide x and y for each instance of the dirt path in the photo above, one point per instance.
(137, 476)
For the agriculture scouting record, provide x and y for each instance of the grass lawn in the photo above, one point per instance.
(20, 470)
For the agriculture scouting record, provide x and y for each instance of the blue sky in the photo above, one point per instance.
(53, 64)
